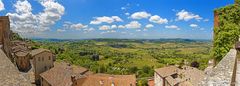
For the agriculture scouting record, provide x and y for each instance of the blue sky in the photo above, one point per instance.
(83, 19)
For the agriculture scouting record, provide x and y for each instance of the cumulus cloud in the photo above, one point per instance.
(149, 26)
(76, 26)
(121, 26)
(1, 5)
(193, 25)
(140, 15)
(88, 30)
(133, 25)
(104, 27)
(158, 19)
(186, 16)
(105, 19)
(24, 21)
(172, 27)
(114, 26)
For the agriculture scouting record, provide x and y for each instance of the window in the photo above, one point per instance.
(42, 58)
(49, 58)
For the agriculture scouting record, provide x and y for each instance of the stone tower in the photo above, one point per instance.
(5, 35)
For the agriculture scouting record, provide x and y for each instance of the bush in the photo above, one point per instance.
(228, 31)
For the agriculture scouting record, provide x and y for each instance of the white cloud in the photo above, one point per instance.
(114, 26)
(186, 16)
(138, 30)
(149, 26)
(172, 27)
(121, 27)
(1, 6)
(206, 20)
(140, 15)
(193, 25)
(24, 21)
(105, 19)
(127, 14)
(77, 26)
(123, 8)
(88, 30)
(158, 19)
(104, 27)
(61, 30)
(133, 25)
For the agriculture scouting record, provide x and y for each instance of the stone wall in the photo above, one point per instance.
(5, 35)
(223, 74)
(9, 74)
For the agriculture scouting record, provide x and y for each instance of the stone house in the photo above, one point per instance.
(105, 80)
(61, 74)
(42, 61)
(175, 76)
(23, 61)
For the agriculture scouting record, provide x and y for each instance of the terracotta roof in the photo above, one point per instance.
(107, 80)
(185, 83)
(193, 75)
(38, 51)
(60, 74)
(21, 54)
(188, 76)
(19, 48)
(167, 71)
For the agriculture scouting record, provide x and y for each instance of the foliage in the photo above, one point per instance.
(228, 31)
(16, 36)
(237, 2)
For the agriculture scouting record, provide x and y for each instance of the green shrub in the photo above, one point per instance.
(228, 31)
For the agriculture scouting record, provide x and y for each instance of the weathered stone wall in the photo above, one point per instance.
(5, 35)
(223, 74)
(9, 74)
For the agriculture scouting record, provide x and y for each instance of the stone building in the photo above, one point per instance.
(9, 74)
(61, 73)
(5, 35)
(23, 61)
(105, 80)
(174, 76)
(42, 61)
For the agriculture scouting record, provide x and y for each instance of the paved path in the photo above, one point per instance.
(238, 74)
